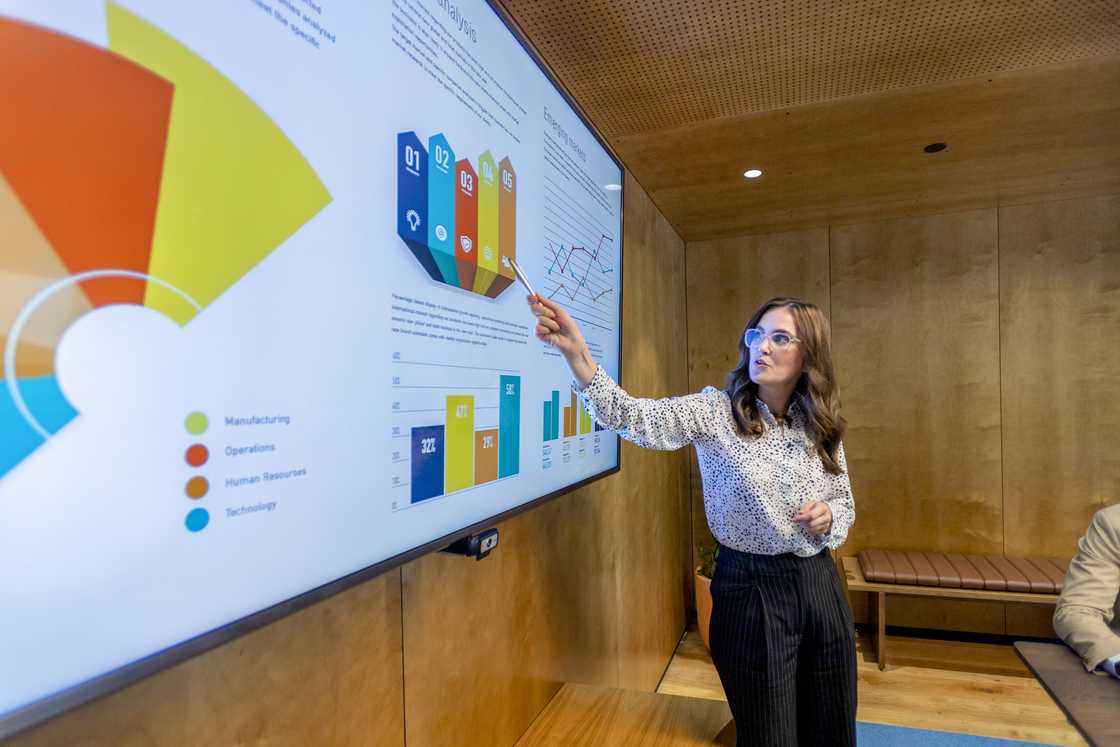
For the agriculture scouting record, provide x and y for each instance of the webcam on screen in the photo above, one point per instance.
(476, 546)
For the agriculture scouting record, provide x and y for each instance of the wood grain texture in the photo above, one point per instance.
(648, 66)
(1060, 348)
(593, 716)
(948, 678)
(495, 631)
(915, 329)
(727, 281)
(588, 588)
(1058, 277)
(1029, 620)
(1010, 139)
(653, 576)
(329, 675)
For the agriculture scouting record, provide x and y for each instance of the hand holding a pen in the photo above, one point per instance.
(556, 328)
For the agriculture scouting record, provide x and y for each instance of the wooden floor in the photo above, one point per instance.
(985, 704)
(589, 716)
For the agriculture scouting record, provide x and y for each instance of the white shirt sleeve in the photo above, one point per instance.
(1112, 665)
(842, 504)
(668, 423)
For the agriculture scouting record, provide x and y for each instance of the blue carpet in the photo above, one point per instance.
(881, 735)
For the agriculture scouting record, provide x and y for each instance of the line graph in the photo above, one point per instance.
(583, 280)
(562, 262)
(561, 265)
(579, 260)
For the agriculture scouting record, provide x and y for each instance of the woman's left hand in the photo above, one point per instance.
(815, 516)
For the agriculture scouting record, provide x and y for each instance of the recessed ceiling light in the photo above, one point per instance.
(935, 147)
(613, 187)
(752, 173)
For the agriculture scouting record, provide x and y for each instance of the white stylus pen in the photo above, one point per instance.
(521, 276)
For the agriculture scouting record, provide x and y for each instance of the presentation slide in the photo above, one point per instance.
(259, 321)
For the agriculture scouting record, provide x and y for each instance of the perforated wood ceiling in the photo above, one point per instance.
(835, 99)
(641, 65)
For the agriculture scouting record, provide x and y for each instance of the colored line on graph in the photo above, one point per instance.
(594, 256)
(572, 294)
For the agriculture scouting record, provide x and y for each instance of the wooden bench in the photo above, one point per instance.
(989, 578)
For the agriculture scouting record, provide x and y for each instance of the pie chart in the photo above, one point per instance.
(134, 174)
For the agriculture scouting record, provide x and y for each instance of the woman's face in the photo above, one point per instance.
(771, 365)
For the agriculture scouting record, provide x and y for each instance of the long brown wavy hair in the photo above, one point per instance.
(815, 391)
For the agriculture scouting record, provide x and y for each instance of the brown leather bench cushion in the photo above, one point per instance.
(991, 572)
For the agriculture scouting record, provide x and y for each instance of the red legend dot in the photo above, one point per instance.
(197, 455)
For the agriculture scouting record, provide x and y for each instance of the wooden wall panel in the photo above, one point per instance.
(915, 319)
(488, 643)
(652, 577)
(727, 280)
(947, 446)
(588, 588)
(1060, 343)
(329, 674)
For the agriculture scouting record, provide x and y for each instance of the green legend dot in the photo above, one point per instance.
(197, 423)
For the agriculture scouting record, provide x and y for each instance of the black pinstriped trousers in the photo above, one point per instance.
(784, 645)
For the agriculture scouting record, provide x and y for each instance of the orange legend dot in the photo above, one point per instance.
(197, 487)
(197, 455)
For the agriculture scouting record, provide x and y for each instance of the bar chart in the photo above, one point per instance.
(574, 418)
(568, 433)
(453, 428)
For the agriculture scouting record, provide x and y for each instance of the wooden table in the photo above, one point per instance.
(1091, 702)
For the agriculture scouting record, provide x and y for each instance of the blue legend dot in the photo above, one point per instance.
(198, 519)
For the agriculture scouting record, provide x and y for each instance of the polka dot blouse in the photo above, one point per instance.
(753, 485)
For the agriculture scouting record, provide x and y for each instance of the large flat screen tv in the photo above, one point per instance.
(261, 334)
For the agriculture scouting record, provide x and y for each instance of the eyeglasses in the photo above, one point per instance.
(779, 340)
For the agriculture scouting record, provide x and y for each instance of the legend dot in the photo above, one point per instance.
(197, 423)
(197, 487)
(197, 455)
(197, 519)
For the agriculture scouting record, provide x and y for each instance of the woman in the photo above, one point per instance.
(777, 497)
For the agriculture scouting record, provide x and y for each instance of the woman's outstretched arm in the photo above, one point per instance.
(667, 423)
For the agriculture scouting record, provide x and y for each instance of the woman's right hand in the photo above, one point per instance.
(555, 327)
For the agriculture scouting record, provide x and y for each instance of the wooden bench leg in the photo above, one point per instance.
(881, 632)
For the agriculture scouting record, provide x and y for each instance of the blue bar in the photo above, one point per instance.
(547, 421)
(509, 426)
(427, 462)
(412, 200)
(441, 206)
(555, 414)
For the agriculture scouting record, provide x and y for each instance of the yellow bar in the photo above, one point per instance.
(584, 419)
(507, 227)
(487, 223)
(459, 443)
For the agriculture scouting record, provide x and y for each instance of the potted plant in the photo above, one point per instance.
(704, 572)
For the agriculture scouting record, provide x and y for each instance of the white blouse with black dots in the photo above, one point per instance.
(753, 485)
